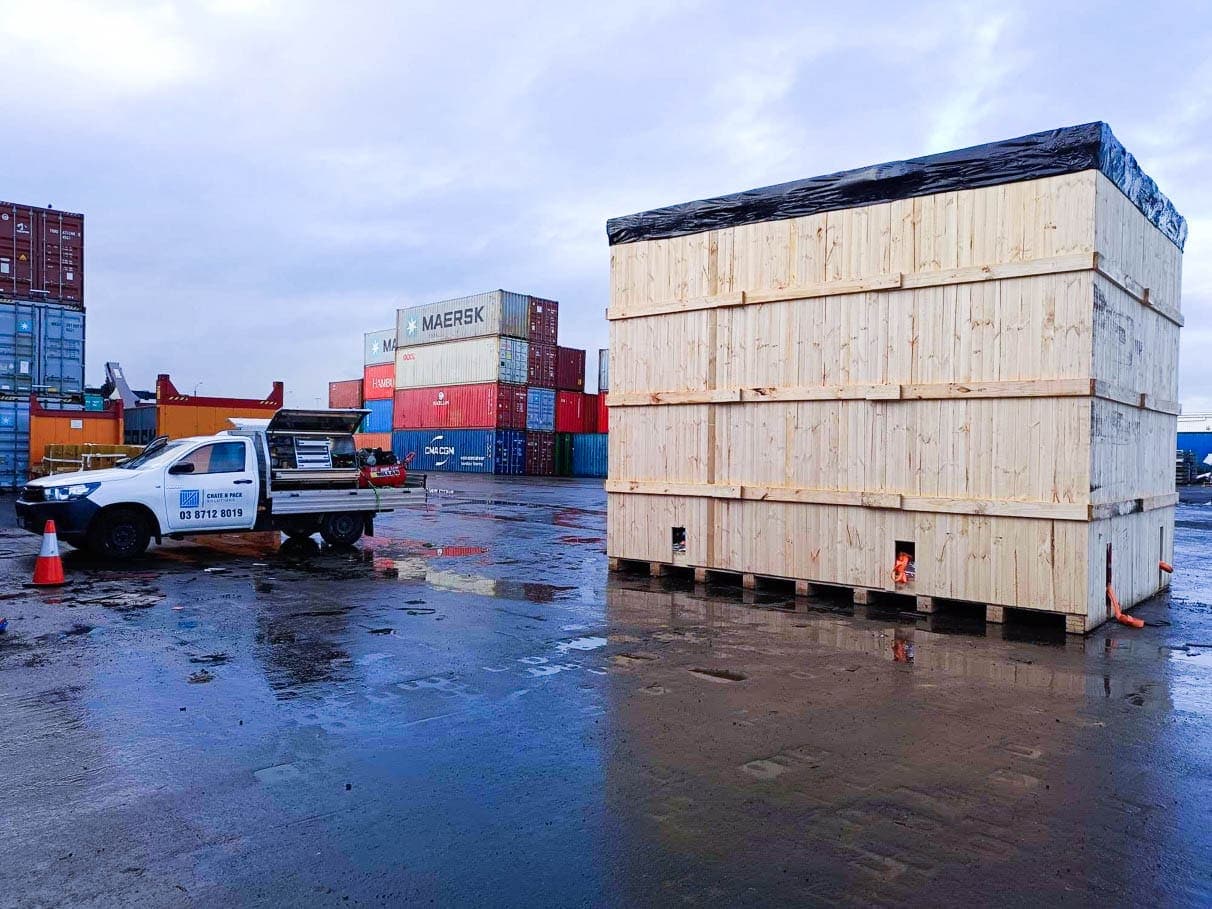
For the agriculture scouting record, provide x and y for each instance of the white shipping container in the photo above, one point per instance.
(497, 312)
(492, 359)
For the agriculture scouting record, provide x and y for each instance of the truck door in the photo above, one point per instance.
(213, 487)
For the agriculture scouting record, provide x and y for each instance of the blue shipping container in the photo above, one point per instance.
(59, 364)
(1198, 442)
(540, 409)
(589, 454)
(14, 442)
(379, 418)
(463, 450)
(18, 342)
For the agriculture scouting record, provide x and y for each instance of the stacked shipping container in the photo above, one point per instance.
(41, 322)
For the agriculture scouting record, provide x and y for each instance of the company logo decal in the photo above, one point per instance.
(191, 498)
(470, 315)
(437, 450)
(412, 326)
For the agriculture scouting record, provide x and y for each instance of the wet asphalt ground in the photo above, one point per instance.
(466, 710)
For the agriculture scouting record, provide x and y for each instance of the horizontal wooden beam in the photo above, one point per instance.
(994, 508)
(1134, 289)
(891, 391)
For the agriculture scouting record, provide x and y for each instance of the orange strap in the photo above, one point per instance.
(1166, 567)
(1120, 616)
(900, 571)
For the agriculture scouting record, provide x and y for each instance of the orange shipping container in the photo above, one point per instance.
(179, 416)
(72, 427)
(373, 440)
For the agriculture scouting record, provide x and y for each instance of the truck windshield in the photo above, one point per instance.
(155, 455)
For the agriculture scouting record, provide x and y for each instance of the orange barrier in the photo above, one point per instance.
(1120, 616)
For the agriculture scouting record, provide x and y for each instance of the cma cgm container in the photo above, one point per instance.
(497, 312)
(540, 454)
(472, 362)
(42, 254)
(501, 451)
(544, 320)
(345, 393)
(603, 370)
(379, 418)
(540, 409)
(14, 441)
(572, 412)
(379, 382)
(570, 369)
(379, 347)
(541, 368)
(492, 405)
(589, 454)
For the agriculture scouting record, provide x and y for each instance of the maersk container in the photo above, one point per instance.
(589, 454)
(540, 409)
(139, 424)
(345, 393)
(540, 454)
(472, 362)
(379, 418)
(603, 370)
(492, 405)
(570, 369)
(544, 321)
(500, 451)
(379, 347)
(18, 346)
(59, 362)
(497, 312)
(14, 441)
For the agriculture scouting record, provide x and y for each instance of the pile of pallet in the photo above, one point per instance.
(953, 377)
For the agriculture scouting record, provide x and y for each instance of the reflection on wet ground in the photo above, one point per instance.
(465, 710)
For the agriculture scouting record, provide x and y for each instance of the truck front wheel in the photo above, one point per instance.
(119, 533)
(342, 528)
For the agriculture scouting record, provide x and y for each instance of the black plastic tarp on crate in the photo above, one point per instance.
(1059, 151)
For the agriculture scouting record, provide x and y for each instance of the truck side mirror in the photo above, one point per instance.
(181, 467)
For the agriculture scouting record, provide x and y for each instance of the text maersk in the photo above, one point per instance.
(471, 315)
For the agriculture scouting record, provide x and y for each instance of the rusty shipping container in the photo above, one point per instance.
(497, 312)
(492, 405)
(544, 320)
(540, 454)
(379, 347)
(570, 369)
(379, 382)
(42, 254)
(345, 393)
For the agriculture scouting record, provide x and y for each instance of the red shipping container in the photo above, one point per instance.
(540, 454)
(346, 393)
(489, 405)
(544, 321)
(379, 382)
(570, 369)
(542, 371)
(572, 412)
(591, 413)
(603, 415)
(42, 254)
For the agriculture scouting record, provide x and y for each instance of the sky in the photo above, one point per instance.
(263, 181)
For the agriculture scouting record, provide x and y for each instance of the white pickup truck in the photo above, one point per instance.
(298, 472)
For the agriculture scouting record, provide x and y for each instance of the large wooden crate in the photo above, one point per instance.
(984, 374)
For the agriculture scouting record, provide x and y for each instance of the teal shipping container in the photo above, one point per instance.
(589, 454)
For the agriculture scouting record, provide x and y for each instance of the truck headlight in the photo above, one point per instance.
(70, 493)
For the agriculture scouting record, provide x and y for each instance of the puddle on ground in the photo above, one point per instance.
(719, 675)
(588, 643)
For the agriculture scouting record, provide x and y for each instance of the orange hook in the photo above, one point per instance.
(1120, 616)
(900, 571)
(1166, 567)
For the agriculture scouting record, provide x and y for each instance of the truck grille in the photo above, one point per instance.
(32, 494)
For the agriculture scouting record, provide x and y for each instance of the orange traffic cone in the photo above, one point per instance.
(48, 570)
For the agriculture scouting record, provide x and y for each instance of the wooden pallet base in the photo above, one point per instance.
(861, 597)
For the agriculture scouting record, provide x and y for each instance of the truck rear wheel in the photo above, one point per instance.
(341, 529)
(118, 533)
